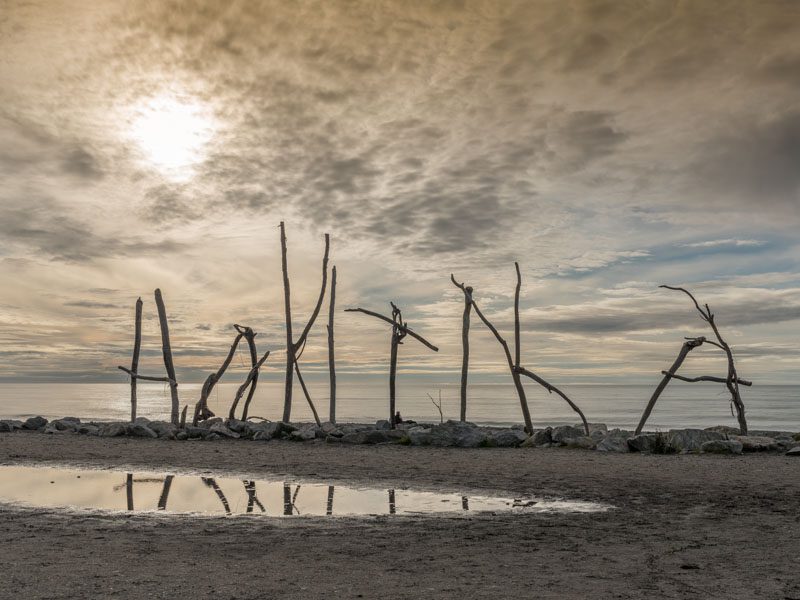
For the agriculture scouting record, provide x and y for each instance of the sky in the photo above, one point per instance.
(607, 146)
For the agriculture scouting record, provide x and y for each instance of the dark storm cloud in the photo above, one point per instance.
(90, 304)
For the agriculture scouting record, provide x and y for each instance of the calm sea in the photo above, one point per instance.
(768, 406)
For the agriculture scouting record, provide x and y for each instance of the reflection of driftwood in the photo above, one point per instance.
(687, 347)
(162, 499)
(292, 345)
(467, 290)
(167, 352)
(331, 358)
(464, 503)
(248, 380)
(137, 345)
(129, 490)
(289, 499)
(732, 379)
(400, 330)
(392, 503)
(329, 503)
(212, 483)
(252, 499)
(201, 410)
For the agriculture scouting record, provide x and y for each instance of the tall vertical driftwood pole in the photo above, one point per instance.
(292, 346)
(331, 357)
(467, 290)
(399, 330)
(167, 352)
(137, 346)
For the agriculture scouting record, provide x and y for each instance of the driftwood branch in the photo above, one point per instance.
(401, 327)
(212, 483)
(248, 380)
(201, 410)
(145, 377)
(438, 405)
(137, 345)
(331, 356)
(464, 343)
(551, 388)
(307, 394)
(250, 336)
(711, 378)
(167, 352)
(688, 346)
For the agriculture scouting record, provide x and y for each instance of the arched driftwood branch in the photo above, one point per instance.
(551, 388)
(248, 380)
(732, 378)
(292, 345)
(250, 336)
(201, 410)
(399, 331)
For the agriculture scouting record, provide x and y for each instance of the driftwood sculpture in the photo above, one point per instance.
(331, 357)
(514, 364)
(400, 330)
(201, 410)
(294, 347)
(731, 381)
(167, 352)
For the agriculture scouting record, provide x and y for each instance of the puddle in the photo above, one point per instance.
(220, 496)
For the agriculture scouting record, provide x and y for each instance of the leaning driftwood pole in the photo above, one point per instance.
(201, 410)
(248, 380)
(331, 357)
(137, 345)
(250, 336)
(307, 394)
(551, 388)
(292, 346)
(732, 379)
(467, 290)
(400, 329)
(687, 347)
(167, 352)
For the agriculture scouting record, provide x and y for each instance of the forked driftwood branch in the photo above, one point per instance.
(248, 380)
(250, 337)
(400, 330)
(732, 378)
(201, 410)
(292, 345)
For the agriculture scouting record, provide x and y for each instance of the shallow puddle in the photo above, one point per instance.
(183, 494)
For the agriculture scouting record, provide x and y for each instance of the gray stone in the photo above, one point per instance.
(794, 451)
(756, 443)
(383, 424)
(334, 439)
(212, 436)
(181, 435)
(207, 423)
(583, 441)
(770, 433)
(142, 421)
(88, 429)
(419, 436)
(602, 427)
(371, 436)
(559, 435)
(655, 443)
(34, 423)
(507, 438)
(6, 427)
(725, 429)
(722, 447)
(139, 430)
(691, 440)
(461, 434)
(615, 441)
(65, 424)
(303, 435)
(329, 428)
(195, 432)
(240, 427)
(221, 430)
(113, 429)
(164, 429)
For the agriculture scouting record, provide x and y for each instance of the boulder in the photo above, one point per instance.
(303, 435)
(383, 424)
(65, 424)
(5, 427)
(207, 423)
(770, 433)
(113, 429)
(164, 429)
(237, 426)
(691, 440)
(655, 443)
(507, 438)
(461, 434)
(615, 441)
(212, 436)
(193, 432)
(329, 428)
(181, 435)
(724, 429)
(34, 423)
(593, 427)
(142, 421)
(541, 437)
(584, 441)
(794, 451)
(371, 436)
(419, 436)
(559, 435)
(221, 430)
(722, 447)
(88, 429)
(140, 430)
(756, 443)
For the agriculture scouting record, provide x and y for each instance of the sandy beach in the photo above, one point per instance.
(684, 526)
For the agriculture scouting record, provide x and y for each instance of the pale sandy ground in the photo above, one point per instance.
(734, 519)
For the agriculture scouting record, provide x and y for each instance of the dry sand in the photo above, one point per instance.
(686, 526)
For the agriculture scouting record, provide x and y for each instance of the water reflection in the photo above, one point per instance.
(170, 493)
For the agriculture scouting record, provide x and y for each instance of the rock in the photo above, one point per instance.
(207, 423)
(383, 424)
(794, 451)
(559, 435)
(371, 436)
(6, 427)
(615, 441)
(303, 435)
(181, 435)
(770, 433)
(88, 429)
(237, 426)
(724, 429)
(419, 436)
(164, 429)
(796, 437)
(507, 438)
(34, 423)
(142, 421)
(691, 440)
(329, 428)
(212, 436)
(221, 430)
(461, 434)
(193, 432)
(65, 424)
(113, 429)
(584, 441)
(655, 443)
(333, 439)
(602, 427)
(139, 430)
(541, 437)
(755, 443)
(722, 447)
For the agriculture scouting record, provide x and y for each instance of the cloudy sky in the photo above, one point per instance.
(608, 146)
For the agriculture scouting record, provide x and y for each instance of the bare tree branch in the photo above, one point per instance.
(403, 328)
(551, 388)
(711, 378)
(167, 352)
(145, 377)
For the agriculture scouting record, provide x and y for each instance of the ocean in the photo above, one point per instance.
(688, 405)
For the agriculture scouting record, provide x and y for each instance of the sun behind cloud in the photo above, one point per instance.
(172, 133)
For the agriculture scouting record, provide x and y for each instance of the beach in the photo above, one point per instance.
(682, 526)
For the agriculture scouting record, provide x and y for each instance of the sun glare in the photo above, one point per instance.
(173, 133)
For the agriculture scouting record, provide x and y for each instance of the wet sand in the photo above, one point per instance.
(685, 526)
